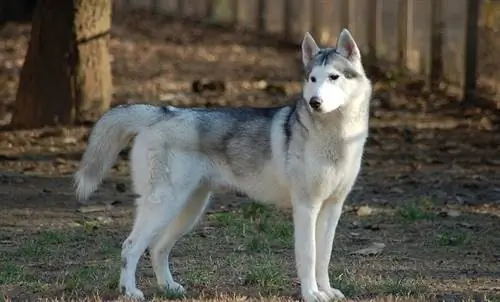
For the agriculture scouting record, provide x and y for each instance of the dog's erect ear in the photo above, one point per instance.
(347, 47)
(309, 48)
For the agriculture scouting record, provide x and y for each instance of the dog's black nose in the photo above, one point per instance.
(315, 102)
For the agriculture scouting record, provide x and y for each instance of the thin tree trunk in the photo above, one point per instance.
(66, 77)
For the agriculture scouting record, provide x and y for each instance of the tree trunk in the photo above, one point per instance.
(66, 77)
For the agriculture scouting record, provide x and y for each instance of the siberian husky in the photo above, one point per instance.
(306, 156)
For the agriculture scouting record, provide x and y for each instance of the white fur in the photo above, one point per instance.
(309, 48)
(332, 95)
(331, 92)
(314, 178)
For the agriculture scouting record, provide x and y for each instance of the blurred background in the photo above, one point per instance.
(429, 188)
(170, 50)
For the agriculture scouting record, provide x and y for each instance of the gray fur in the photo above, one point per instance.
(120, 124)
(236, 129)
(304, 156)
(330, 56)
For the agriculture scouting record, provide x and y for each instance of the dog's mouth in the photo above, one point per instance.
(316, 109)
(321, 106)
(323, 109)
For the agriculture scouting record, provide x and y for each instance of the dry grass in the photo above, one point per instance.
(229, 298)
(246, 252)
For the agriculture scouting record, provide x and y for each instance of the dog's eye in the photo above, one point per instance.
(333, 77)
(313, 79)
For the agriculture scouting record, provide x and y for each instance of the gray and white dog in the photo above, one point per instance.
(305, 156)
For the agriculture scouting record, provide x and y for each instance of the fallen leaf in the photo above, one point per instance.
(104, 220)
(372, 227)
(93, 208)
(356, 224)
(453, 213)
(466, 225)
(260, 84)
(364, 211)
(397, 190)
(202, 85)
(372, 250)
(70, 140)
(450, 213)
(60, 161)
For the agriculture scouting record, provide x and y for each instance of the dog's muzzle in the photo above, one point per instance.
(315, 103)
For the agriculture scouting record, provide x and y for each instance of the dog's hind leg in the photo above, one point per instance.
(162, 245)
(151, 218)
(165, 187)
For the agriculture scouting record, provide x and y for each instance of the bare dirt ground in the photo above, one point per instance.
(429, 188)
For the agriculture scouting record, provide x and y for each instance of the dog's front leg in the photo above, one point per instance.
(328, 219)
(305, 214)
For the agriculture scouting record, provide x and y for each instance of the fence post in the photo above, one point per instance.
(471, 42)
(154, 6)
(405, 33)
(261, 15)
(287, 19)
(373, 26)
(297, 19)
(316, 20)
(180, 7)
(344, 13)
(436, 47)
(303, 18)
(209, 9)
(234, 11)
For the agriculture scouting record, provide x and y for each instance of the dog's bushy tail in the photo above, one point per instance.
(109, 136)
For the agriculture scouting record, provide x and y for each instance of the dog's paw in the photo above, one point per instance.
(175, 288)
(315, 296)
(134, 293)
(333, 293)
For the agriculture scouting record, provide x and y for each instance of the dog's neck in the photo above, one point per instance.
(354, 116)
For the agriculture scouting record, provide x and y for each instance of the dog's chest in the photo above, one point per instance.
(334, 171)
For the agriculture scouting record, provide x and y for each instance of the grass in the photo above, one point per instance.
(166, 294)
(261, 227)
(247, 252)
(266, 273)
(400, 287)
(343, 280)
(453, 238)
(414, 210)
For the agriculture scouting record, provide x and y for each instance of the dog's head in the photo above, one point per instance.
(333, 75)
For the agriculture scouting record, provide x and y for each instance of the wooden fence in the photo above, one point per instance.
(434, 39)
